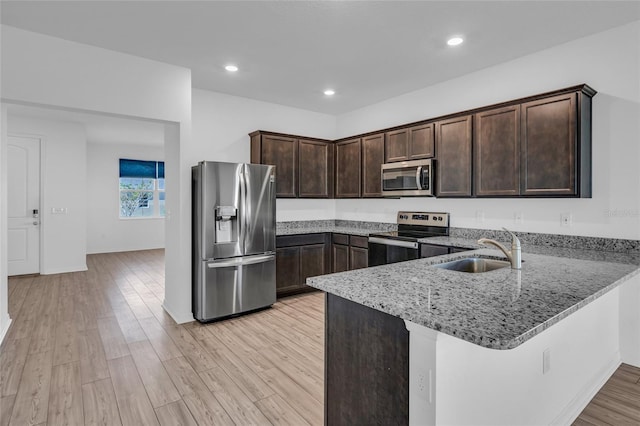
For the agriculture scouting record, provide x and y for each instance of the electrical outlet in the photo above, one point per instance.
(518, 217)
(546, 361)
(566, 219)
(479, 216)
(424, 384)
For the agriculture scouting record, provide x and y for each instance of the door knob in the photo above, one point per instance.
(35, 222)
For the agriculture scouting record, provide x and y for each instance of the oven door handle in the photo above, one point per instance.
(389, 242)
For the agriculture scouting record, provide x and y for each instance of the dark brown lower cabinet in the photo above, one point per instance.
(358, 257)
(339, 258)
(366, 365)
(349, 252)
(299, 257)
(287, 270)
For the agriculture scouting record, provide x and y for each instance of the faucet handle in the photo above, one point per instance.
(515, 241)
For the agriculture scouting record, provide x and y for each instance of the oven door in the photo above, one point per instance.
(407, 178)
(383, 251)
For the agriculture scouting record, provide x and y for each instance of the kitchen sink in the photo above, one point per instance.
(473, 265)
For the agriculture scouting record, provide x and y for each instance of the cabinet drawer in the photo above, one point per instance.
(358, 241)
(299, 240)
(340, 239)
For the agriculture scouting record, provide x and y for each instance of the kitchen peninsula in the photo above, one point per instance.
(433, 346)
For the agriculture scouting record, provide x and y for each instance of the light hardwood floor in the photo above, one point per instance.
(96, 348)
(617, 403)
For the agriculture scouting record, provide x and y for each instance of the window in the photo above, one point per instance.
(141, 188)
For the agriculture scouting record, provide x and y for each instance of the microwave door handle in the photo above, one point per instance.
(418, 177)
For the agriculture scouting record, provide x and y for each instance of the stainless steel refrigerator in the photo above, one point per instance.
(234, 238)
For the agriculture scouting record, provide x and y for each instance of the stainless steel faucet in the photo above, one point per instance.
(514, 256)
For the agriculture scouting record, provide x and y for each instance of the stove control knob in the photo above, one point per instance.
(440, 218)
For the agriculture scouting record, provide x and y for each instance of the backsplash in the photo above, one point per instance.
(527, 238)
(551, 240)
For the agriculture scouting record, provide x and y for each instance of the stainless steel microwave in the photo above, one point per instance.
(408, 179)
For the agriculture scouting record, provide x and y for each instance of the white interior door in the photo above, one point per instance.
(23, 205)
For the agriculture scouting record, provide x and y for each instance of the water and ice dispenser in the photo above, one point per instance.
(226, 224)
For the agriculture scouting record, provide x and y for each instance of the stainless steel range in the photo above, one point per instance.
(401, 245)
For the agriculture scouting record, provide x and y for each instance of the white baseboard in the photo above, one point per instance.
(64, 270)
(4, 331)
(568, 415)
(180, 319)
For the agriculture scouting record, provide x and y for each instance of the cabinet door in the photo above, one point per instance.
(282, 152)
(422, 142)
(548, 138)
(287, 269)
(372, 159)
(453, 167)
(312, 261)
(315, 169)
(496, 146)
(340, 258)
(358, 257)
(348, 166)
(396, 146)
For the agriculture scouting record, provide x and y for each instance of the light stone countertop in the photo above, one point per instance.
(499, 309)
(316, 228)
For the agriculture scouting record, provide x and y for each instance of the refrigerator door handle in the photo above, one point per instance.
(246, 220)
(241, 261)
(242, 231)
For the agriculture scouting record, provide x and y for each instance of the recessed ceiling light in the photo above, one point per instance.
(454, 41)
(329, 92)
(231, 68)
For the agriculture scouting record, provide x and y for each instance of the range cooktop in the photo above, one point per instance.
(415, 225)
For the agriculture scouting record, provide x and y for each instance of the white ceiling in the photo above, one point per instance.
(289, 52)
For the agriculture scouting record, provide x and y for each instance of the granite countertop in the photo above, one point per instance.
(321, 226)
(321, 229)
(499, 309)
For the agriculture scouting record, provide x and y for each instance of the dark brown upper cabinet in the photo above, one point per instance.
(411, 143)
(348, 168)
(304, 167)
(496, 145)
(315, 168)
(453, 166)
(550, 147)
(282, 152)
(396, 146)
(538, 146)
(372, 159)
(422, 141)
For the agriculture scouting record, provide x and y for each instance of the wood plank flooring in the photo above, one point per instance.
(96, 348)
(618, 401)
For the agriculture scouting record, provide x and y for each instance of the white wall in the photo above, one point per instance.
(221, 127)
(106, 232)
(64, 185)
(609, 62)
(5, 321)
(630, 321)
(48, 71)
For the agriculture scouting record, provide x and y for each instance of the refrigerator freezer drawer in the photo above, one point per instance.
(233, 286)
